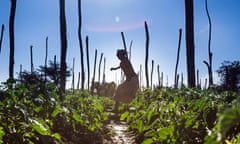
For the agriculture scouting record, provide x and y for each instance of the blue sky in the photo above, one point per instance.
(103, 22)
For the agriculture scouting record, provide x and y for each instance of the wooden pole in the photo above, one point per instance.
(147, 53)
(63, 31)
(124, 42)
(80, 42)
(73, 75)
(178, 53)
(159, 78)
(99, 68)
(1, 37)
(190, 52)
(104, 65)
(130, 50)
(88, 65)
(210, 54)
(31, 56)
(94, 71)
(46, 59)
(11, 38)
(152, 74)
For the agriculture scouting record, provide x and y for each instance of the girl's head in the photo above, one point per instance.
(121, 53)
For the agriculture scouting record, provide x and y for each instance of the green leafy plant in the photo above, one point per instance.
(34, 114)
(182, 116)
(1, 135)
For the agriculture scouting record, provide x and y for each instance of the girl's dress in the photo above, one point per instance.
(127, 90)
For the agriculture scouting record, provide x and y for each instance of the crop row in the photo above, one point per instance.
(184, 116)
(34, 114)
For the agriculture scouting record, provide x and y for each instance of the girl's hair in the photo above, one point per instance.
(122, 52)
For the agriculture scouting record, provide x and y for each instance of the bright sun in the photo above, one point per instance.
(117, 19)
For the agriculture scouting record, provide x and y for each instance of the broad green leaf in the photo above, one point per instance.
(57, 136)
(150, 134)
(149, 115)
(147, 141)
(1, 135)
(163, 133)
(139, 125)
(77, 117)
(189, 121)
(57, 111)
(40, 127)
(38, 109)
(124, 115)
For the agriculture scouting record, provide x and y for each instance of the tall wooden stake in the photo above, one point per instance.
(178, 53)
(99, 68)
(210, 54)
(46, 59)
(31, 55)
(124, 42)
(104, 65)
(63, 31)
(152, 74)
(159, 78)
(11, 38)
(189, 13)
(1, 37)
(130, 50)
(94, 71)
(147, 51)
(88, 65)
(73, 75)
(80, 41)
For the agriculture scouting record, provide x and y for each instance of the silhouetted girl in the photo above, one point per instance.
(127, 90)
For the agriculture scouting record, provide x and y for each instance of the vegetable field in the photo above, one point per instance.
(36, 107)
(34, 114)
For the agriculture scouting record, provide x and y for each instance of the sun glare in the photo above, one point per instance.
(117, 19)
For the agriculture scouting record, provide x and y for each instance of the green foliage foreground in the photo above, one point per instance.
(184, 116)
(34, 114)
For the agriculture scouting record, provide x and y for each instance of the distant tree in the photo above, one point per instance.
(30, 78)
(49, 74)
(190, 42)
(230, 75)
(11, 37)
(53, 72)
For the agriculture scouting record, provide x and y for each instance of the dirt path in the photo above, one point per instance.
(118, 131)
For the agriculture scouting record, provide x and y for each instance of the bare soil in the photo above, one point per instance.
(117, 131)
